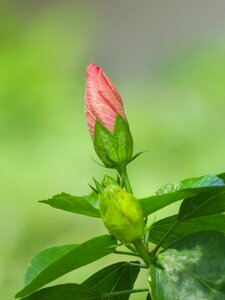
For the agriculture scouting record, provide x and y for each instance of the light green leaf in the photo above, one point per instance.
(57, 261)
(86, 205)
(191, 268)
(185, 189)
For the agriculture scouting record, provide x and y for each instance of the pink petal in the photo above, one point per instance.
(103, 101)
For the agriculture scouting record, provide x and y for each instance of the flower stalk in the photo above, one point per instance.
(125, 179)
(143, 251)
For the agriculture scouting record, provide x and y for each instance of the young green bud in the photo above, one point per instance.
(121, 214)
(106, 120)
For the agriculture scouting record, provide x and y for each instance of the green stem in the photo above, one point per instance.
(143, 251)
(125, 292)
(137, 265)
(125, 179)
(164, 238)
(125, 253)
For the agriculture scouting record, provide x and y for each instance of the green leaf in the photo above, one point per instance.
(123, 140)
(185, 227)
(199, 182)
(117, 277)
(57, 261)
(191, 268)
(187, 188)
(208, 203)
(86, 205)
(65, 291)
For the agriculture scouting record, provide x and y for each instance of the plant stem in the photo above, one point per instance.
(125, 292)
(137, 265)
(125, 179)
(143, 251)
(125, 253)
(138, 244)
(164, 238)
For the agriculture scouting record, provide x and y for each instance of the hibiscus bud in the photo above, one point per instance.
(106, 119)
(121, 214)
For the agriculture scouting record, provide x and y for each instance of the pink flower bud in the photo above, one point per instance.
(102, 102)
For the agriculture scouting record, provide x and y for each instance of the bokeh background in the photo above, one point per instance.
(167, 59)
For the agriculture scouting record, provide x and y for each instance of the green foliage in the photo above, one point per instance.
(190, 239)
(187, 188)
(191, 268)
(204, 204)
(54, 262)
(85, 205)
(184, 227)
(103, 284)
(117, 277)
(66, 291)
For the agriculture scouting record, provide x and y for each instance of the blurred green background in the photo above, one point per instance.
(168, 62)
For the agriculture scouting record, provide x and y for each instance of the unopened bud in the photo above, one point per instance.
(106, 120)
(121, 214)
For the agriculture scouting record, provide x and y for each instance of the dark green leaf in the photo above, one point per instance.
(191, 268)
(185, 189)
(185, 227)
(65, 291)
(222, 176)
(117, 277)
(86, 205)
(57, 261)
(208, 203)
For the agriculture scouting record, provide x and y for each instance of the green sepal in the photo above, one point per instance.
(114, 149)
(98, 185)
(123, 140)
(136, 156)
(104, 145)
(108, 180)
